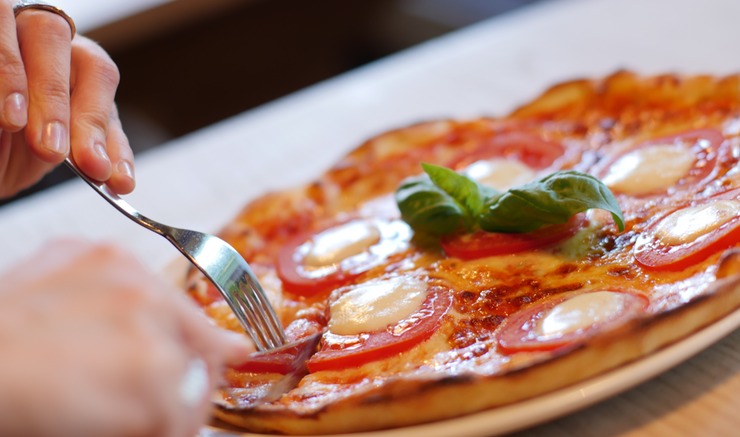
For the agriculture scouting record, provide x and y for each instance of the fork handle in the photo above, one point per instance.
(118, 203)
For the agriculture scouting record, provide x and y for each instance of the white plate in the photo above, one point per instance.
(546, 407)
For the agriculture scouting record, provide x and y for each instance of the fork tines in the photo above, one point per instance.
(259, 315)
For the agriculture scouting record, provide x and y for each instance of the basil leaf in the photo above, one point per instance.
(427, 208)
(465, 191)
(551, 200)
(444, 201)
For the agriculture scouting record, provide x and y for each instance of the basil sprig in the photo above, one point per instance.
(443, 201)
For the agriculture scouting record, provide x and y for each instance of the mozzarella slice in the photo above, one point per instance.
(581, 312)
(688, 224)
(650, 169)
(335, 244)
(375, 305)
(500, 174)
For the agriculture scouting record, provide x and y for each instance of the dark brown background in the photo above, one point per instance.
(178, 78)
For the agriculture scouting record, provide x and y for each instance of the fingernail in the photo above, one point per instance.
(101, 152)
(236, 338)
(126, 169)
(55, 138)
(237, 346)
(15, 110)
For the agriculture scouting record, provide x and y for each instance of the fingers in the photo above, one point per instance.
(55, 256)
(99, 146)
(13, 87)
(62, 92)
(127, 346)
(94, 79)
(122, 180)
(212, 349)
(202, 350)
(45, 48)
(216, 346)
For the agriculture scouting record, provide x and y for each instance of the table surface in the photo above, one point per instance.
(200, 181)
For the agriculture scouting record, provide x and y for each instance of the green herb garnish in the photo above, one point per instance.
(443, 201)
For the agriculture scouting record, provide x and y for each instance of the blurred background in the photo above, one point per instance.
(186, 64)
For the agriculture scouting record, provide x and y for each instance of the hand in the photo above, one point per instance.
(94, 344)
(57, 98)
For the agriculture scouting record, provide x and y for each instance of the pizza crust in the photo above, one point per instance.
(409, 402)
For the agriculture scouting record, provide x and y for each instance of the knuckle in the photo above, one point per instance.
(104, 250)
(110, 258)
(50, 89)
(93, 119)
(52, 24)
(11, 70)
(99, 64)
(102, 253)
(108, 72)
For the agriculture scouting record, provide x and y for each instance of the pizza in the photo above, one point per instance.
(456, 266)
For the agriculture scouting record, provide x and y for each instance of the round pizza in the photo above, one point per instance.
(457, 266)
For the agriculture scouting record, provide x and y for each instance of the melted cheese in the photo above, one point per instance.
(688, 224)
(377, 304)
(500, 174)
(581, 312)
(650, 169)
(335, 244)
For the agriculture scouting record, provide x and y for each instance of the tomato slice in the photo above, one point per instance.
(481, 244)
(528, 148)
(706, 144)
(653, 250)
(563, 321)
(343, 351)
(304, 280)
(283, 360)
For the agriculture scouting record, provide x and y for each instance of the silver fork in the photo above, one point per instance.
(220, 262)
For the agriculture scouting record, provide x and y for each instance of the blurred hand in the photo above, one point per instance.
(56, 98)
(94, 344)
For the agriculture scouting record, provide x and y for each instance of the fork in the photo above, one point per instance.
(219, 262)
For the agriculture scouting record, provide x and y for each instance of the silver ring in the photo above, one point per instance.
(23, 5)
(194, 383)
